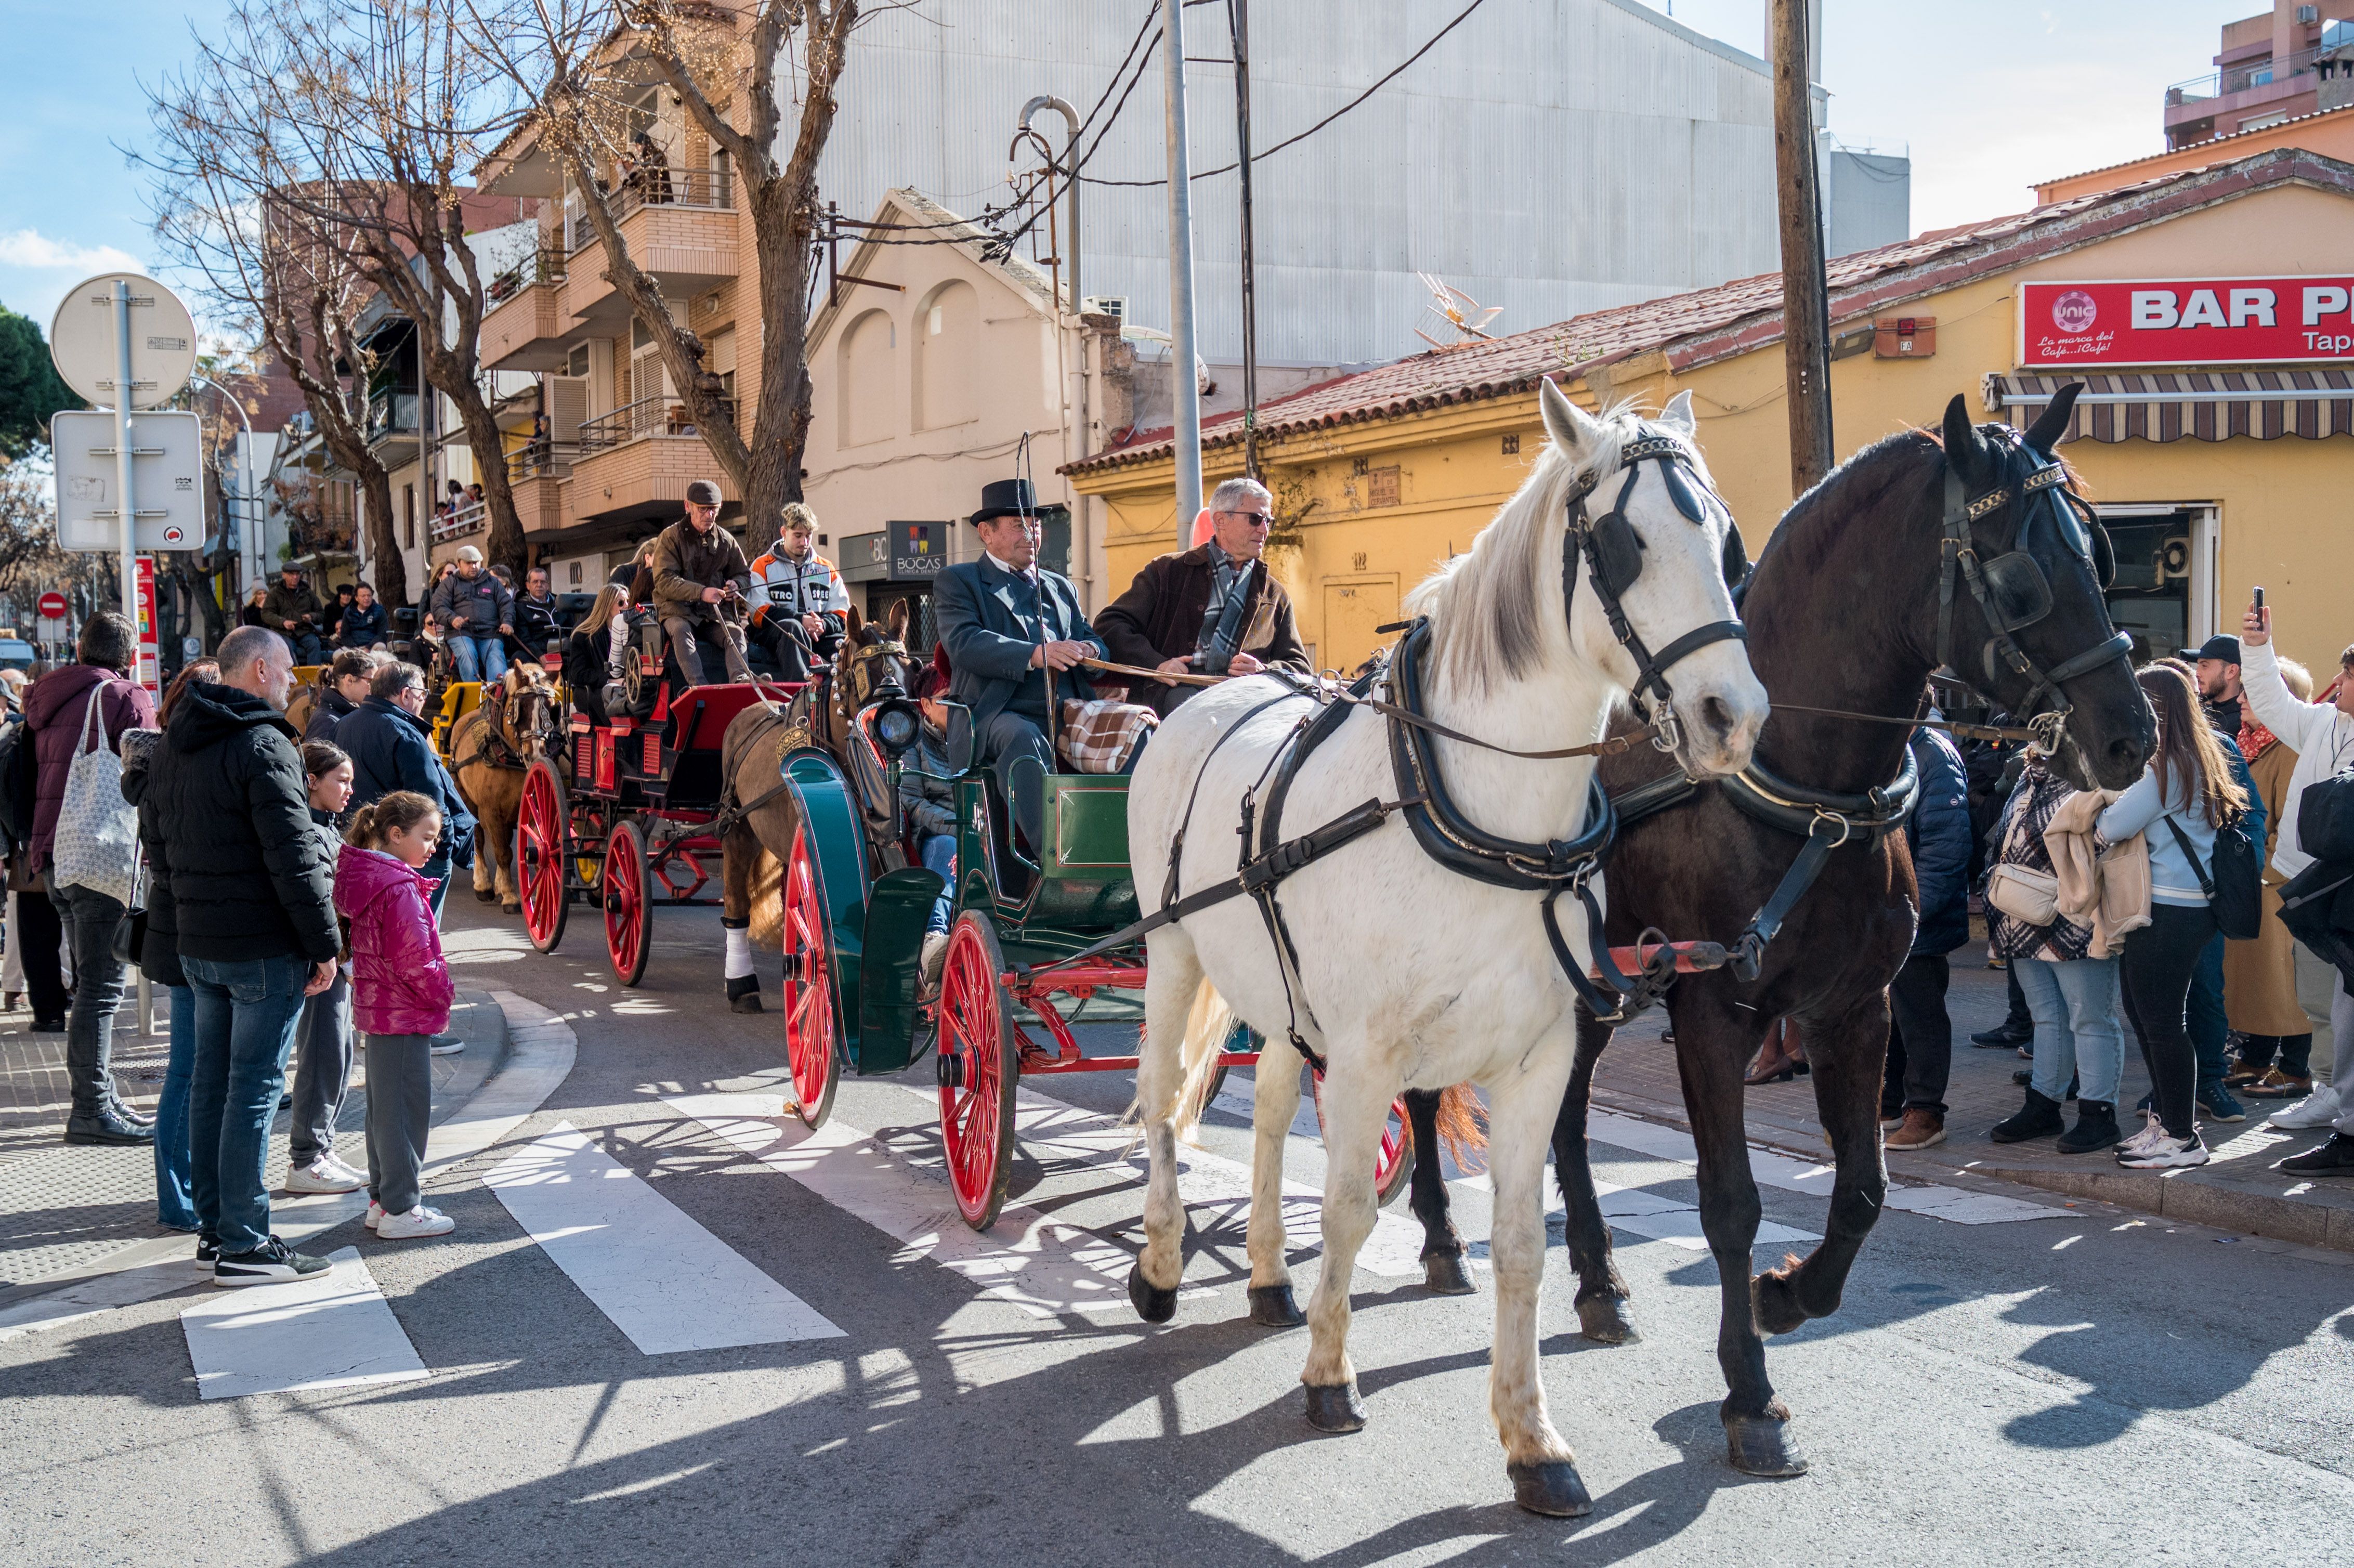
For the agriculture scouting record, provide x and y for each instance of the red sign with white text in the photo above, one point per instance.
(2187, 321)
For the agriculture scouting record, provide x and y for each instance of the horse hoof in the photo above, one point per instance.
(1551, 1488)
(1447, 1275)
(486, 896)
(1775, 1304)
(744, 994)
(1272, 1307)
(1762, 1446)
(1335, 1407)
(1152, 1304)
(507, 908)
(1603, 1318)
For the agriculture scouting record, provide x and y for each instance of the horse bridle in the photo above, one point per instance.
(2013, 593)
(1614, 556)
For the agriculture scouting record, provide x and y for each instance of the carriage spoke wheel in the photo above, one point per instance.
(977, 1069)
(812, 1036)
(540, 827)
(1393, 1164)
(626, 908)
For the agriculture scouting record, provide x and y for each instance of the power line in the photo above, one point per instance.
(1460, 18)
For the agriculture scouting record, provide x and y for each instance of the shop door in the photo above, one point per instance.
(2151, 600)
(923, 631)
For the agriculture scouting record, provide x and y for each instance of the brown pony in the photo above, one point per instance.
(873, 657)
(491, 748)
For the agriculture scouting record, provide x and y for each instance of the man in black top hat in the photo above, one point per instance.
(1014, 633)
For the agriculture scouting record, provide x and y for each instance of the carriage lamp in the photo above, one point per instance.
(897, 724)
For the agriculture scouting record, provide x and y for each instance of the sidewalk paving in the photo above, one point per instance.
(67, 1210)
(2237, 1190)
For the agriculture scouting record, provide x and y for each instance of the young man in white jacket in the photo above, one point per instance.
(2322, 735)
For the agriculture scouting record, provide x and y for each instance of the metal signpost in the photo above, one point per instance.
(111, 361)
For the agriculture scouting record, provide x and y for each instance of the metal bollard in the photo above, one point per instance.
(146, 1003)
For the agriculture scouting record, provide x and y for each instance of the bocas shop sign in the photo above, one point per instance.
(2187, 321)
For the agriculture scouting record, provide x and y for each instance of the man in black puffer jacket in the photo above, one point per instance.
(243, 882)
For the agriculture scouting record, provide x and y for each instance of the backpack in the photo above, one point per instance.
(2234, 885)
(2325, 818)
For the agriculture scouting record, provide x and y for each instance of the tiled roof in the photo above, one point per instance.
(1731, 318)
(2272, 130)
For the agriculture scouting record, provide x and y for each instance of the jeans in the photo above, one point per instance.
(939, 854)
(175, 1203)
(2159, 961)
(2209, 1029)
(400, 1113)
(89, 918)
(245, 1017)
(2077, 1007)
(306, 647)
(440, 871)
(322, 1075)
(1920, 1036)
(2292, 1053)
(479, 658)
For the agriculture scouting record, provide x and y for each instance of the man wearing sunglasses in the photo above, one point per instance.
(1213, 611)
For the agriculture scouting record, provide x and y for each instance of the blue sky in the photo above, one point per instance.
(1989, 95)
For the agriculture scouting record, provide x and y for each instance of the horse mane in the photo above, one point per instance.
(1482, 604)
(1815, 522)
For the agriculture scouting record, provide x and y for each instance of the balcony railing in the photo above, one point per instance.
(659, 185)
(541, 459)
(391, 414)
(472, 517)
(2333, 56)
(539, 267)
(634, 421)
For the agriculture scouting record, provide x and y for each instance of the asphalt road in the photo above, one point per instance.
(2091, 1387)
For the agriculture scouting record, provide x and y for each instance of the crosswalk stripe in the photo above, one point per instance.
(332, 1330)
(665, 1281)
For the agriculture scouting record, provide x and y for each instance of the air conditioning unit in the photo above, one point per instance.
(2307, 14)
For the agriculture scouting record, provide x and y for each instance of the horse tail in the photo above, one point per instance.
(1206, 1028)
(1463, 1127)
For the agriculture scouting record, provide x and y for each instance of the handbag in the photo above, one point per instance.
(2325, 818)
(97, 843)
(2236, 888)
(2028, 896)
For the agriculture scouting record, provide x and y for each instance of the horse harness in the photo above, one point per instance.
(1613, 553)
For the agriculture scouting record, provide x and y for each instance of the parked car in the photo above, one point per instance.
(16, 654)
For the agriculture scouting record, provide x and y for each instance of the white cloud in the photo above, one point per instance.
(30, 248)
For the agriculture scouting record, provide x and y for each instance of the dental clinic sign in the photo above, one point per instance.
(2190, 320)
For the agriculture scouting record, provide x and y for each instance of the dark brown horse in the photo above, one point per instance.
(1843, 612)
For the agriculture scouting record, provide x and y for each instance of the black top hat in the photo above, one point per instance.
(1006, 498)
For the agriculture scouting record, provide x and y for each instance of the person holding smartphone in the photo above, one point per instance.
(2322, 735)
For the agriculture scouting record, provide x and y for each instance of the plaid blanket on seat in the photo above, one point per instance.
(1101, 737)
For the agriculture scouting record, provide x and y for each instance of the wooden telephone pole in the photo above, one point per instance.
(1805, 302)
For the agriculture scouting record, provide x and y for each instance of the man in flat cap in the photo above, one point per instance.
(475, 613)
(698, 568)
(1014, 629)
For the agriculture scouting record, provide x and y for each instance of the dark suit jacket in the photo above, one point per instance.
(986, 621)
(1159, 617)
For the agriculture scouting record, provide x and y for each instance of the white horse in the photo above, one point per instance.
(1411, 975)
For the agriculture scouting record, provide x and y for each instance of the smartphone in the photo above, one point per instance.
(2260, 599)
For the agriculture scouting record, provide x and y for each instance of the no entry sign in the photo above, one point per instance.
(53, 606)
(2187, 321)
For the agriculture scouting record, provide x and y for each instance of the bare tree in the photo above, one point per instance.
(723, 60)
(237, 204)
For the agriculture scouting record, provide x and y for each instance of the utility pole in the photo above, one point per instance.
(1806, 304)
(1240, 20)
(1184, 392)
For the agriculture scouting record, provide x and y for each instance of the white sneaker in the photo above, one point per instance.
(2166, 1154)
(420, 1221)
(375, 1213)
(324, 1175)
(2152, 1129)
(2318, 1108)
(447, 1046)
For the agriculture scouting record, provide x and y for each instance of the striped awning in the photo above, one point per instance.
(2206, 406)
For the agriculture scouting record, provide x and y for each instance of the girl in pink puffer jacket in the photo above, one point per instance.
(400, 997)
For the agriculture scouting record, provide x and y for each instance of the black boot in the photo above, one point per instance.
(2097, 1128)
(2039, 1117)
(105, 1126)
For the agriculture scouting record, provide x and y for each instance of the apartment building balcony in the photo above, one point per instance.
(635, 462)
(680, 227)
(473, 517)
(540, 475)
(524, 329)
(392, 426)
(2223, 101)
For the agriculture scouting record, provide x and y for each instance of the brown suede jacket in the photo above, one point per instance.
(1159, 617)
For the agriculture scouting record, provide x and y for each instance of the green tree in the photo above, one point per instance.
(30, 390)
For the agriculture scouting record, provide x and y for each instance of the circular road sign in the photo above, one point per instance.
(53, 607)
(163, 341)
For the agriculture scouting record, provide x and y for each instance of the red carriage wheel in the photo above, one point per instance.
(1394, 1166)
(977, 1068)
(541, 825)
(813, 1034)
(626, 904)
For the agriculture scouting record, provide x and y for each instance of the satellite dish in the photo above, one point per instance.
(163, 341)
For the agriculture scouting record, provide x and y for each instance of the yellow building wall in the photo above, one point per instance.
(2284, 508)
